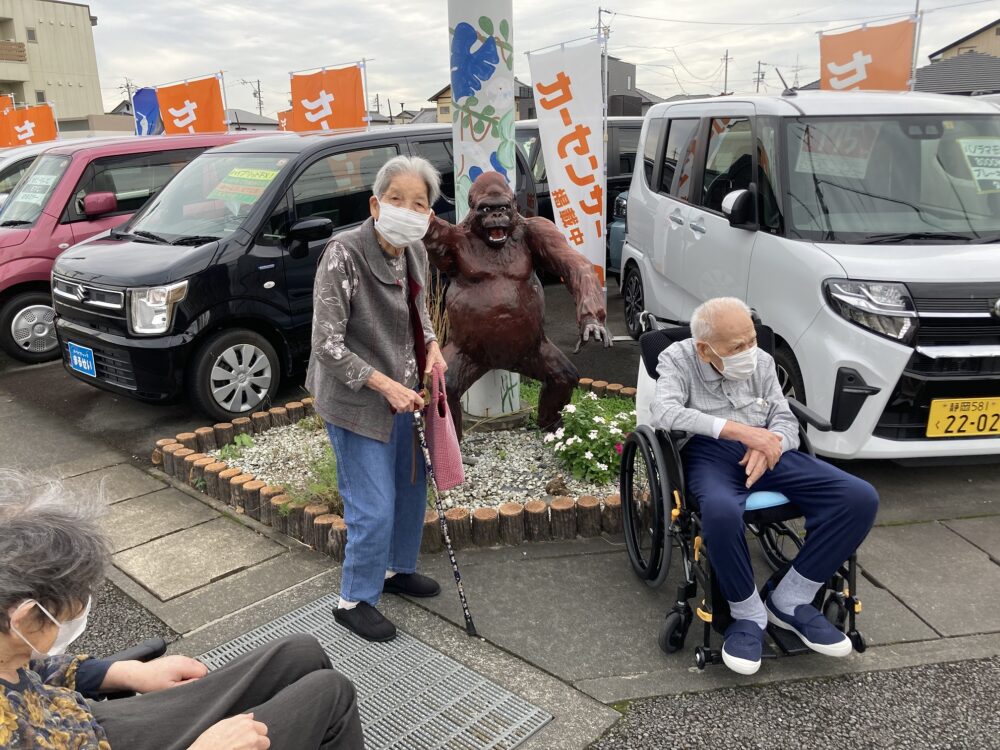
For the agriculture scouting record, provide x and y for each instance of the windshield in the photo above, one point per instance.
(25, 204)
(209, 198)
(891, 179)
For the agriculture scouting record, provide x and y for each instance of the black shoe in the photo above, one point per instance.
(366, 621)
(411, 584)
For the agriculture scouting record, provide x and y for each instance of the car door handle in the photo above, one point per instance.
(677, 219)
(699, 228)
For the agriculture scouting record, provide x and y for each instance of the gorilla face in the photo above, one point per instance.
(491, 203)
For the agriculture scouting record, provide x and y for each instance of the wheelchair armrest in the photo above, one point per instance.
(148, 650)
(806, 415)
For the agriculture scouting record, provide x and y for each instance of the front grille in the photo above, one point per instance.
(974, 297)
(958, 331)
(89, 297)
(921, 366)
(113, 366)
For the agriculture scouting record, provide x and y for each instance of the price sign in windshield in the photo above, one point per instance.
(244, 185)
(983, 157)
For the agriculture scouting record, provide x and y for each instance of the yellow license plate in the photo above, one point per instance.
(964, 417)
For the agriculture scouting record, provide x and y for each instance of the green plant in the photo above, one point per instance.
(589, 443)
(312, 423)
(199, 484)
(322, 484)
(235, 449)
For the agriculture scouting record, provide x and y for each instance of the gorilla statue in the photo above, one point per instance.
(495, 303)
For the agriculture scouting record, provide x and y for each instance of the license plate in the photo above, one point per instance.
(81, 359)
(964, 417)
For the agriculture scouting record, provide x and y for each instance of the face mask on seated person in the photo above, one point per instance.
(740, 366)
(68, 632)
(401, 227)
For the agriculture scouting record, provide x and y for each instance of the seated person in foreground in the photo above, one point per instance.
(721, 390)
(52, 558)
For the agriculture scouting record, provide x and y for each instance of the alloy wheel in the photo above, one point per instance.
(241, 377)
(33, 329)
(632, 295)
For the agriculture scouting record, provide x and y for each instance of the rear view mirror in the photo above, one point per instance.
(737, 206)
(301, 233)
(99, 204)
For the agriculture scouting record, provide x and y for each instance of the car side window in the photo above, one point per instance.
(275, 229)
(13, 174)
(338, 187)
(768, 185)
(651, 147)
(628, 145)
(728, 161)
(133, 178)
(438, 153)
(678, 158)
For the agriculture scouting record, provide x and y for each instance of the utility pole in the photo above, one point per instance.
(760, 75)
(388, 101)
(725, 80)
(128, 88)
(255, 90)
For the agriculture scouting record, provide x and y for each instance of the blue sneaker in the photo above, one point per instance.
(742, 647)
(809, 624)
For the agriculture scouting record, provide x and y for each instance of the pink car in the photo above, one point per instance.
(71, 193)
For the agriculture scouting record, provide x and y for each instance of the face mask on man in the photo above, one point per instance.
(401, 226)
(69, 631)
(740, 366)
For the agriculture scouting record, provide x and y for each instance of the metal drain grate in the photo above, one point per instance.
(411, 696)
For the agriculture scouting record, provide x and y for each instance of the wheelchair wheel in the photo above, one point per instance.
(673, 632)
(836, 611)
(642, 509)
(779, 542)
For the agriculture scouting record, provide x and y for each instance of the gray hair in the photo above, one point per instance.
(52, 548)
(417, 165)
(704, 317)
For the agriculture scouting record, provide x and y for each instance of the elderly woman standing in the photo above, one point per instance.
(372, 342)
(52, 559)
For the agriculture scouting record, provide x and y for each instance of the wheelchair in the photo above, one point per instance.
(659, 517)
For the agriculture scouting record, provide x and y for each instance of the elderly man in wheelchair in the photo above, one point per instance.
(723, 447)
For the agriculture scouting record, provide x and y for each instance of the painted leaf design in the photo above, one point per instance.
(470, 69)
(486, 24)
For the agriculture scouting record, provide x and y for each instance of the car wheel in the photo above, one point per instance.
(633, 300)
(28, 329)
(789, 374)
(234, 373)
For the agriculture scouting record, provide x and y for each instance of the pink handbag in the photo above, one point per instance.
(446, 455)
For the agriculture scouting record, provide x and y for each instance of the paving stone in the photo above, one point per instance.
(189, 559)
(982, 532)
(115, 484)
(947, 581)
(142, 519)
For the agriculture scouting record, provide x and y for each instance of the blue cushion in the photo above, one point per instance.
(761, 500)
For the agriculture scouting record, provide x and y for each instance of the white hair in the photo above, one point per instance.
(704, 317)
(417, 165)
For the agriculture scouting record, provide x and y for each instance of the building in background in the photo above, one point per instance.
(524, 102)
(47, 55)
(985, 41)
(968, 74)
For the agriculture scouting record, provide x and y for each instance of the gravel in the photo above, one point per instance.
(116, 622)
(953, 706)
(507, 466)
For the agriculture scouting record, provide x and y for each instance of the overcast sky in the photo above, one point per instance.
(406, 41)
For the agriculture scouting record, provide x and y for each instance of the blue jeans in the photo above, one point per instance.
(839, 510)
(384, 489)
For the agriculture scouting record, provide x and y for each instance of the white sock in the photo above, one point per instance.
(345, 604)
(389, 574)
(793, 590)
(751, 608)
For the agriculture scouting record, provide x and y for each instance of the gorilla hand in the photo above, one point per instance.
(592, 328)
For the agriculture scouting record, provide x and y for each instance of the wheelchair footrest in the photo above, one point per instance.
(789, 643)
(766, 652)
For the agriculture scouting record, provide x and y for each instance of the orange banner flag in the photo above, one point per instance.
(6, 102)
(872, 58)
(21, 127)
(193, 107)
(328, 100)
(285, 120)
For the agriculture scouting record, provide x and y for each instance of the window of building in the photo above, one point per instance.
(729, 161)
(444, 109)
(628, 83)
(31, 35)
(678, 158)
(338, 187)
(40, 97)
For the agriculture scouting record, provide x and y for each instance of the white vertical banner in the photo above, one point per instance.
(481, 44)
(566, 83)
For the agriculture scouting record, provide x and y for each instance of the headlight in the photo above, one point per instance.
(883, 307)
(621, 206)
(153, 308)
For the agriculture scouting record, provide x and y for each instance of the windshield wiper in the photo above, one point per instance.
(889, 237)
(194, 239)
(150, 236)
(14, 223)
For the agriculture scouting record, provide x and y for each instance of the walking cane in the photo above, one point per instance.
(418, 421)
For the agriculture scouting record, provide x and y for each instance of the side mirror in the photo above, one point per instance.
(99, 204)
(301, 233)
(737, 206)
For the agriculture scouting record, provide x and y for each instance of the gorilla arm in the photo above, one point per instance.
(444, 242)
(551, 251)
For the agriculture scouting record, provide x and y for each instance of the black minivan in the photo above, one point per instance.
(207, 291)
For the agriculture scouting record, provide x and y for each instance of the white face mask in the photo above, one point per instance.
(69, 631)
(738, 366)
(401, 227)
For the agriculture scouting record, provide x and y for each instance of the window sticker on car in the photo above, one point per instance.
(983, 157)
(837, 149)
(36, 188)
(243, 184)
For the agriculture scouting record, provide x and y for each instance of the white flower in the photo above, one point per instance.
(588, 455)
(621, 415)
(600, 420)
(549, 437)
(569, 408)
(592, 435)
(591, 395)
(602, 467)
(558, 447)
(559, 433)
(615, 431)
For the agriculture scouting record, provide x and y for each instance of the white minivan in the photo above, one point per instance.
(863, 227)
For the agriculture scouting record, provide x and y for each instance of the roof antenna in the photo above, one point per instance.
(789, 91)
